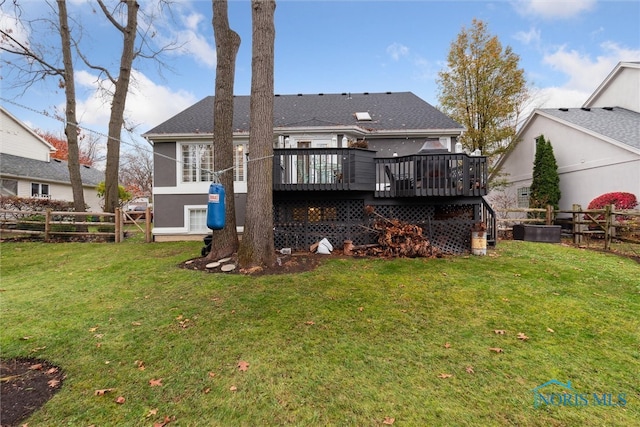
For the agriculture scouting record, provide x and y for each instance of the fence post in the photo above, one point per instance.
(47, 224)
(117, 219)
(608, 214)
(147, 225)
(577, 227)
(549, 215)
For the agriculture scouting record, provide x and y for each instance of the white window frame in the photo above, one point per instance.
(188, 209)
(199, 169)
(41, 194)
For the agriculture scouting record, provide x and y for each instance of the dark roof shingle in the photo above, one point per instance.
(389, 111)
(616, 123)
(53, 171)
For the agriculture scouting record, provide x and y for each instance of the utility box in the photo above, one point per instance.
(537, 233)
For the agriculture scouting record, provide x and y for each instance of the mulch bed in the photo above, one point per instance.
(27, 384)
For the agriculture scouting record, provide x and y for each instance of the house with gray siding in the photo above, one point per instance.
(333, 154)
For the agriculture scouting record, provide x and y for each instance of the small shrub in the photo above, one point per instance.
(619, 199)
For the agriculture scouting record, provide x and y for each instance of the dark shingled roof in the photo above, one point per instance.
(616, 123)
(53, 171)
(389, 111)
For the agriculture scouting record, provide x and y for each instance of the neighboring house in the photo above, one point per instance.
(321, 181)
(27, 169)
(597, 146)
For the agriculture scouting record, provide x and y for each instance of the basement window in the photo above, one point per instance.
(523, 197)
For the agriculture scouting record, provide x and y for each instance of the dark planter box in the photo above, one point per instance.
(537, 233)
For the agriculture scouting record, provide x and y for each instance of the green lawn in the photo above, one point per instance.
(350, 344)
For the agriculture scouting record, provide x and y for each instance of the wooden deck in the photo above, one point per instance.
(356, 169)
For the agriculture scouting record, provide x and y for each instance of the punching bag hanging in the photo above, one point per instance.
(216, 207)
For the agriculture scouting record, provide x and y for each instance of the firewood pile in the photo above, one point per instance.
(395, 239)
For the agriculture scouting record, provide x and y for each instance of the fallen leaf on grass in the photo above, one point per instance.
(103, 391)
(360, 308)
(388, 421)
(500, 331)
(164, 422)
(496, 349)
(243, 366)
(233, 388)
(550, 330)
(470, 370)
(206, 390)
(212, 374)
(310, 322)
(136, 323)
(155, 383)
(120, 400)
(52, 371)
(522, 336)
(25, 338)
(140, 365)
(152, 412)
(95, 328)
(447, 345)
(445, 376)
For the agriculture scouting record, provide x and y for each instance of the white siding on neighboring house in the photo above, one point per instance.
(20, 141)
(620, 89)
(60, 192)
(588, 166)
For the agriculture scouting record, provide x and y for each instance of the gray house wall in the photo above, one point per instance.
(164, 166)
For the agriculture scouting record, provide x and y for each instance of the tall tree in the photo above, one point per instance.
(257, 247)
(545, 187)
(121, 88)
(483, 89)
(225, 241)
(41, 62)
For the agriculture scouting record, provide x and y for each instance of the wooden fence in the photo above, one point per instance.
(53, 225)
(607, 223)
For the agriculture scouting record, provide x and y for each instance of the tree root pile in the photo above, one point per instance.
(395, 239)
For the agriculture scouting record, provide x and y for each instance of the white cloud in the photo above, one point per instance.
(148, 103)
(583, 72)
(13, 26)
(553, 9)
(397, 50)
(528, 37)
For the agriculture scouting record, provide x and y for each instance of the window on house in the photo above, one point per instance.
(198, 220)
(523, 197)
(197, 162)
(239, 162)
(40, 191)
(8, 187)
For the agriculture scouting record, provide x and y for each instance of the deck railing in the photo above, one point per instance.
(323, 169)
(431, 175)
(418, 175)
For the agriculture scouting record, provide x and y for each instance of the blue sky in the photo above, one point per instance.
(566, 49)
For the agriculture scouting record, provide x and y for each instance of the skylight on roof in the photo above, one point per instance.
(363, 115)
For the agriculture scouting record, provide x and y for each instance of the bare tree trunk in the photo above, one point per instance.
(224, 242)
(257, 248)
(70, 129)
(116, 119)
